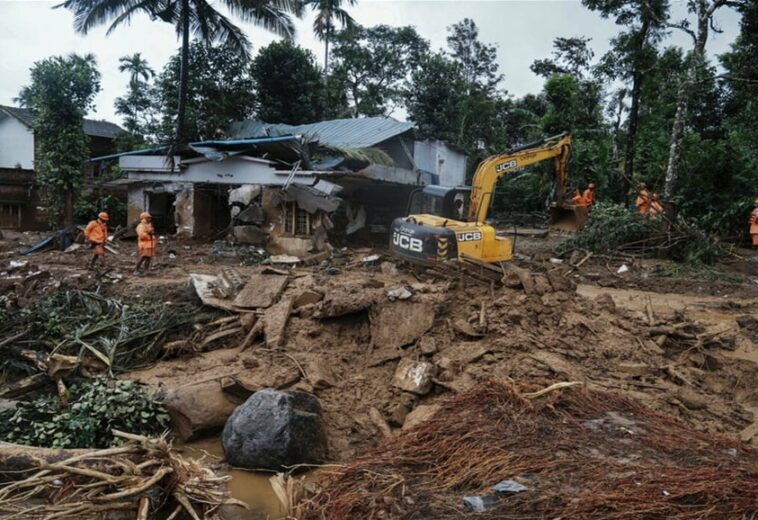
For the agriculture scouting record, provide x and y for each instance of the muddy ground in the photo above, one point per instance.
(673, 344)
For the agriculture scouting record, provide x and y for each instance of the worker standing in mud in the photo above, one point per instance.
(754, 225)
(145, 243)
(585, 199)
(96, 233)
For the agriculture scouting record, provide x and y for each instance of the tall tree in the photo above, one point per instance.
(136, 66)
(477, 59)
(632, 54)
(61, 92)
(197, 17)
(704, 11)
(220, 87)
(374, 64)
(288, 85)
(571, 56)
(327, 13)
(138, 105)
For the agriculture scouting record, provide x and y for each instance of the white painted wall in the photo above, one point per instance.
(437, 157)
(16, 144)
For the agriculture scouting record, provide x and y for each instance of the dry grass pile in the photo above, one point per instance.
(581, 454)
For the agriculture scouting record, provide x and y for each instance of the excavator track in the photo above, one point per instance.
(470, 268)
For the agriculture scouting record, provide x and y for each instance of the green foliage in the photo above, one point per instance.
(91, 203)
(61, 92)
(290, 87)
(478, 60)
(220, 91)
(95, 408)
(80, 323)
(609, 227)
(374, 64)
(139, 106)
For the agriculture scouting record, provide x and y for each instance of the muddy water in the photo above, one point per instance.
(252, 488)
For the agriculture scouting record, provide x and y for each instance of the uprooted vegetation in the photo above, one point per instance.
(86, 417)
(612, 228)
(570, 454)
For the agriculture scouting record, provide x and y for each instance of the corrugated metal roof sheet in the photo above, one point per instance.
(92, 127)
(361, 132)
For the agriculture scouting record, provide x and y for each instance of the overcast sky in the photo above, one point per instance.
(523, 30)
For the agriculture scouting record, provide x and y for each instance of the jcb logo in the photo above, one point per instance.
(507, 165)
(469, 237)
(406, 242)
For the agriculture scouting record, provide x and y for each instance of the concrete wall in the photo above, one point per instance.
(16, 144)
(439, 158)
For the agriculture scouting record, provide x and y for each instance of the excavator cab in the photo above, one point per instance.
(442, 201)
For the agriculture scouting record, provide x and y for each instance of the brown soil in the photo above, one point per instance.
(686, 358)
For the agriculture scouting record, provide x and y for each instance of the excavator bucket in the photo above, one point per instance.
(567, 218)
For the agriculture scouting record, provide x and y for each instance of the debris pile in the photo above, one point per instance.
(143, 478)
(561, 452)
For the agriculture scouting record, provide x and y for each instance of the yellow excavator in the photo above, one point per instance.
(446, 224)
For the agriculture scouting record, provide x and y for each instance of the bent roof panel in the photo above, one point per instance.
(342, 133)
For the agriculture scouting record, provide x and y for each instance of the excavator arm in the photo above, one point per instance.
(492, 169)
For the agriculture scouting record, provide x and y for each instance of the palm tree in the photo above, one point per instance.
(137, 67)
(198, 17)
(327, 11)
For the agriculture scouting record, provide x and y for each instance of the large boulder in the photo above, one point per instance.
(274, 429)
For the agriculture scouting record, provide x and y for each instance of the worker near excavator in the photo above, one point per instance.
(96, 234)
(145, 243)
(754, 225)
(655, 205)
(585, 199)
(643, 199)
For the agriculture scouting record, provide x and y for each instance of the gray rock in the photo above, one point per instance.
(249, 235)
(273, 429)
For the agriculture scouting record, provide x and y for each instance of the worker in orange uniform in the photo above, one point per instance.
(754, 224)
(96, 233)
(643, 199)
(655, 205)
(588, 197)
(145, 242)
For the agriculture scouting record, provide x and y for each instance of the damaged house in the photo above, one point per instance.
(21, 205)
(289, 186)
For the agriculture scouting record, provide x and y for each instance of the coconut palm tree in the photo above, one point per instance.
(327, 12)
(196, 17)
(137, 68)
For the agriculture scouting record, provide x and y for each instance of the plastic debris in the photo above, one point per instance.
(479, 504)
(509, 486)
(622, 269)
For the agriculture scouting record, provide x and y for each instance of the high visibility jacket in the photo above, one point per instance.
(643, 201)
(588, 197)
(578, 199)
(754, 222)
(96, 232)
(145, 239)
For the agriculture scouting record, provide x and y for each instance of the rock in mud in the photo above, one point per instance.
(394, 325)
(414, 376)
(560, 283)
(199, 409)
(420, 414)
(274, 429)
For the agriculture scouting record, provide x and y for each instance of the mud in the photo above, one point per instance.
(680, 352)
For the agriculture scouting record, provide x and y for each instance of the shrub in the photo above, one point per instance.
(95, 407)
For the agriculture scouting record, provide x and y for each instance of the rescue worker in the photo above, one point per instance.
(578, 199)
(588, 197)
(643, 199)
(96, 233)
(754, 225)
(655, 205)
(145, 242)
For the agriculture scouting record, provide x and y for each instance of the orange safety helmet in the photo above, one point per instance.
(103, 216)
(145, 214)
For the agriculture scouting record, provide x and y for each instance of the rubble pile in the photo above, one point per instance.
(563, 452)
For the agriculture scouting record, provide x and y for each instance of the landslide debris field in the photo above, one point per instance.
(384, 346)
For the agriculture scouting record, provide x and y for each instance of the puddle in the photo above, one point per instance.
(252, 488)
